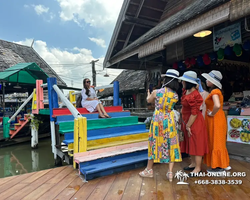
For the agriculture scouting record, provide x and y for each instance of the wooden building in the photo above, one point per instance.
(187, 35)
(132, 85)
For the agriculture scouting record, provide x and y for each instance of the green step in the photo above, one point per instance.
(44, 112)
(65, 127)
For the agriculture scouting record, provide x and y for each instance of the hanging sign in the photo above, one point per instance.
(227, 36)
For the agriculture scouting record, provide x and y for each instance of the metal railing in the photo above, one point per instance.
(64, 99)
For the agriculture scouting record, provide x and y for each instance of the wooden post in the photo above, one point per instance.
(34, 135)
(72, 97)
(53, 103)
(82, 134)
(39, 92)
(3, 90)
(35, 160)
(59, 160)
(76, 136)
(6, 128)
(94, 72)
(138, 100)
(116, 94)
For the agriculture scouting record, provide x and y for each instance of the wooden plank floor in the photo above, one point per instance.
(64, 183)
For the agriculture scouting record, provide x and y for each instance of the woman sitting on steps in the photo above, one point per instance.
(90, 100)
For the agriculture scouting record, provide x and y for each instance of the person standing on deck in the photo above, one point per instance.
(193, 124)
(218, 158)
(204, 93)
(163, 139)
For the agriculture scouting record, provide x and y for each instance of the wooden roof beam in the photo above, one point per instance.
(149, 18)
(149, 7)
(140, 22)
(136, 16)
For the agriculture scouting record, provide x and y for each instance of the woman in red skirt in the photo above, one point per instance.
(193, 124)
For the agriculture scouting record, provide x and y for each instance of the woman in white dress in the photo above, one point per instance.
(90, 100)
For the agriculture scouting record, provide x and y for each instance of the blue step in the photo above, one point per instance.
(69, 141)
(65, 118)
(108, 131)
(111, 165)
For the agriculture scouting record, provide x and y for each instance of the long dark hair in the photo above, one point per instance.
(174, 84)
(189, 86)
(203, 83)
(85, 87)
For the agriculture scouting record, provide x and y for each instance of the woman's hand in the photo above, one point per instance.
(189, 131)
(210, 113)
(151, 97)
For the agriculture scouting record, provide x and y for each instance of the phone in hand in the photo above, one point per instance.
(150, 88)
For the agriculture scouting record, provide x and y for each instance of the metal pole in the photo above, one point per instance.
(69, 105)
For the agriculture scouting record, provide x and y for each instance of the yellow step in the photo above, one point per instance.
(114, 141)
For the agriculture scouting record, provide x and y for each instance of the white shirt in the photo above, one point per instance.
(92, 94)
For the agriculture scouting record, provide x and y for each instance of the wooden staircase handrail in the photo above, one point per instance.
(21, 107)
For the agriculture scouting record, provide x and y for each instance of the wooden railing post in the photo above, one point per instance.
(116, 94)
(72, 97)
(76, 136)
(82, 134)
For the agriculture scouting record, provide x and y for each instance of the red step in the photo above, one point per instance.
(65, 111)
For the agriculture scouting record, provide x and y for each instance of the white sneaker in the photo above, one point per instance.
(228, 168)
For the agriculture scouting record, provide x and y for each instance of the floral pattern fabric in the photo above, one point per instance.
(163, 138)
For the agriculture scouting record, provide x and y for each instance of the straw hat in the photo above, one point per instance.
(171, 73)
(190, 76)
(214, 77)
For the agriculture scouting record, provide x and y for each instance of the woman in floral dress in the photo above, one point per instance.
(163, 139)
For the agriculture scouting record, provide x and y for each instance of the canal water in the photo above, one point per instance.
(21, 159)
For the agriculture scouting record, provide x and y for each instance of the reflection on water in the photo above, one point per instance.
(21, 159)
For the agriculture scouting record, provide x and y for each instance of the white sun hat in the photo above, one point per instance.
(191, 77)
(214, 77)
(171, 73)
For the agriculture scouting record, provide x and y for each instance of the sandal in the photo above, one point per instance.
(107, 116)
(147, 173)
(170, 176)
(102, 116)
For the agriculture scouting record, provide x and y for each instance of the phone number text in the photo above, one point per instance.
(219, 182)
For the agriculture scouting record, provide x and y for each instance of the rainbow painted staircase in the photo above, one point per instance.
(113, 144)
(18, 126)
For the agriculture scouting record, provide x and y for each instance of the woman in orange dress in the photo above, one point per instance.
(194, 127)
(216, 122)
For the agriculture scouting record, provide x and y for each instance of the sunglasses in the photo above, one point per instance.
(88, 81)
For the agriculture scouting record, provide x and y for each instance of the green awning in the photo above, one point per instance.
(26, 73)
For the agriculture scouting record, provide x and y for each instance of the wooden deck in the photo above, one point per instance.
(65, 183)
